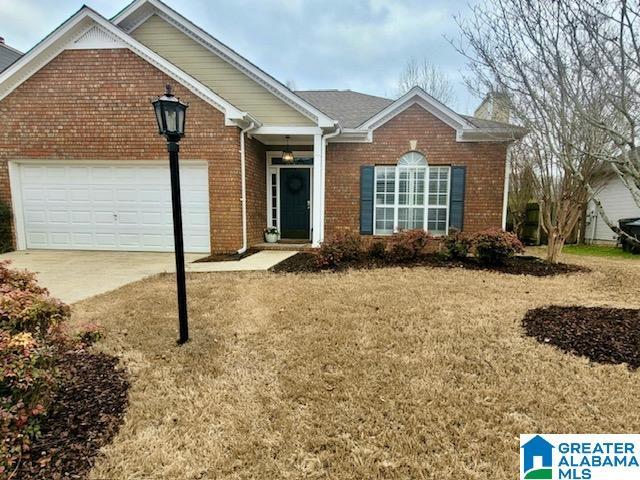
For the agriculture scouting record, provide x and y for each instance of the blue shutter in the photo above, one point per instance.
(367, 176)
(456, 197)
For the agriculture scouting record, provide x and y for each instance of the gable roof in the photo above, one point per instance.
(8, 55)
(349, 108)
(140, 10)
(88, 29)
(360, 111)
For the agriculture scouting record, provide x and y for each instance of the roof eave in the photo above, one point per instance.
(501, 135)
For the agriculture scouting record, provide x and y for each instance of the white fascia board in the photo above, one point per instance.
(226, 53)
(353, 135)
(418, 96)
(286, 130)
(74, 28)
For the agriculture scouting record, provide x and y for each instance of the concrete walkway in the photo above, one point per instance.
(73, 275)
(262, 260)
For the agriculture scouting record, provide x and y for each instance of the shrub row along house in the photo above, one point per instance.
(82, 167)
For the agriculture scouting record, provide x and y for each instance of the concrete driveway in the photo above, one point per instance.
(75, 275)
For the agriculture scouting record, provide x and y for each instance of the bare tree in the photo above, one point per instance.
(428, 77)
(604, 39)
(520, 47)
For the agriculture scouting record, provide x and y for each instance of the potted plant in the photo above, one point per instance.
(271, 234)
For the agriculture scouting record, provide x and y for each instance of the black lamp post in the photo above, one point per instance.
(170, 114)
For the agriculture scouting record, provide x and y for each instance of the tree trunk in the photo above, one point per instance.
(554, 246)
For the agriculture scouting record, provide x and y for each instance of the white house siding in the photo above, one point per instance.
(618, 203)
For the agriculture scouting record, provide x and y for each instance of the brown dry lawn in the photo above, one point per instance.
(395, 373)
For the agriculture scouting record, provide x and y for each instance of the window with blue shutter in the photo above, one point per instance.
(456, 198)
(366, 199)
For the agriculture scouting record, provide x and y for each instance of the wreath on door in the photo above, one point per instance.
(294, 184)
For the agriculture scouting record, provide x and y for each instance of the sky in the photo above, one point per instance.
(361, 45)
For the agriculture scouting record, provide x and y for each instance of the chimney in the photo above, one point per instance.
(1, 41)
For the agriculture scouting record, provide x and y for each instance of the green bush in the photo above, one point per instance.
(409, 245)
(341, 248)
(6, 235)
(455, 245)
(495, 246)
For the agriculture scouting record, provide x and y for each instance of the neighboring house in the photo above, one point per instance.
(83, 166)
(618, 203)
(495, 106)
(8, 55)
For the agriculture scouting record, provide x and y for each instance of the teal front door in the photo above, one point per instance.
(295, 202)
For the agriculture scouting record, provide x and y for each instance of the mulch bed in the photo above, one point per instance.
(519, 265)
(604, 335)
(227, 257)
(84, 415)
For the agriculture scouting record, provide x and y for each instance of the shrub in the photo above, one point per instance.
(341, 248)
(6, 236)
(27, 307)
(456, 245)
(377, 249)
(495, 246)
(27, 380)
(31, 338)
(409, 245)
(89, 333)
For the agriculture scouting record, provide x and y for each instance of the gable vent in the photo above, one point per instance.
(96, 38)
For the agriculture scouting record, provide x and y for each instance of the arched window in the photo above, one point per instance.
(411, 195)
(412, 159)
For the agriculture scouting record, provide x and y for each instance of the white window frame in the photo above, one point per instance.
(396, 206)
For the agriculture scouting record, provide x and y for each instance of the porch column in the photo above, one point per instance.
(317, 213)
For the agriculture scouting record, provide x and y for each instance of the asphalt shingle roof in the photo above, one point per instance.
(349, 108)
(353, 108)
(7, 56)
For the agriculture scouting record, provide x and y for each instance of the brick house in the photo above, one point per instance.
(83, 168)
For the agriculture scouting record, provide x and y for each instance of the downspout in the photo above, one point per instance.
(338, 131)
(243, 181)
(505, 193)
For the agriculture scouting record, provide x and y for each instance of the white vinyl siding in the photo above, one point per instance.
(215, 72)
(617, 203)
(410, 196)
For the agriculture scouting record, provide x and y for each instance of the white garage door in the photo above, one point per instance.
(111, 206)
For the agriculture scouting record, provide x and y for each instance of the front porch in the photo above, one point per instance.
(289, 162)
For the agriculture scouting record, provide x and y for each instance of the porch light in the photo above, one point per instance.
(170, 115)
(287, 154)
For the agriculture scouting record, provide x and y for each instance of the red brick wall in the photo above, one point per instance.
(94, 105)
(485, 164)
(256, 169)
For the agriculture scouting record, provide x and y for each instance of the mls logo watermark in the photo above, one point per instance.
(579, 457)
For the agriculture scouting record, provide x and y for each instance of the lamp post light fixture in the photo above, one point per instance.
(170, 115)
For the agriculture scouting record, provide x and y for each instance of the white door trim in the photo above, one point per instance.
(276, 169)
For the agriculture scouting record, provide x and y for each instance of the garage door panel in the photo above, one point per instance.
(125, 207)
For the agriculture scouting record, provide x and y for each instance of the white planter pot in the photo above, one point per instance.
(271, 237)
